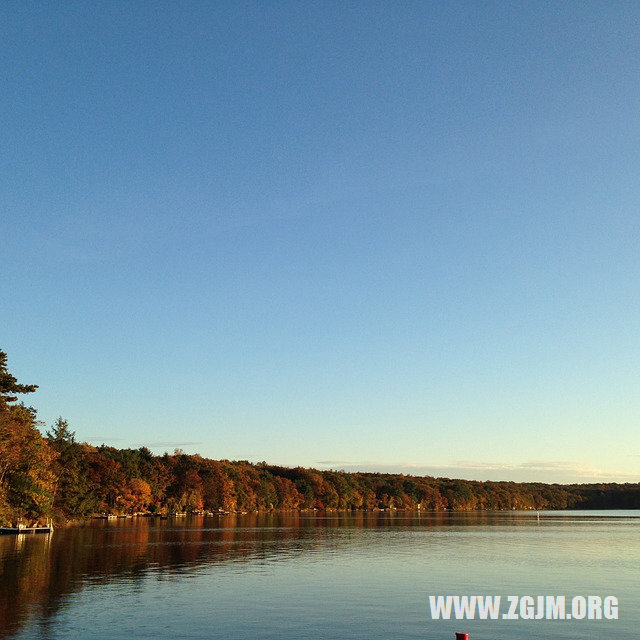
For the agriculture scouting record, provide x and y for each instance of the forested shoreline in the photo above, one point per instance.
(52, 476)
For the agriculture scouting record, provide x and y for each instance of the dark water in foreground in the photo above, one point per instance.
(296, 576)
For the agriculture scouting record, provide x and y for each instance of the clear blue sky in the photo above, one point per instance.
(374, 235)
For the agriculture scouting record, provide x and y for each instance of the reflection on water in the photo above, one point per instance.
(360, 575)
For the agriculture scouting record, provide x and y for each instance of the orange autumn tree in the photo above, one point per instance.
(135, 495)
(26, 458)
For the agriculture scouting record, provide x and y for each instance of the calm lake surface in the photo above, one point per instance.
(328, 576)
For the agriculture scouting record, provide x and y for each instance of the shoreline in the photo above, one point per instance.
(547, 513)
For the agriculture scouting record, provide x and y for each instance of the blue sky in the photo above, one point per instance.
(356, 235)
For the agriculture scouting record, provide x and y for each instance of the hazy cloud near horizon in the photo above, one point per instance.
(153, 445)
(150, 445)
(561, 471)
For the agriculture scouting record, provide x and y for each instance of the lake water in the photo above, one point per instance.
(326, 576)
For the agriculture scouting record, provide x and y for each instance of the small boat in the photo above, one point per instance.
(21, 529)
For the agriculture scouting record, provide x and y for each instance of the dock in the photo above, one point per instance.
(19, 530)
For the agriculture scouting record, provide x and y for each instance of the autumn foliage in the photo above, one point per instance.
(53, 476)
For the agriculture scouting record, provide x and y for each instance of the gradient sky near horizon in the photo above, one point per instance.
(362, 235)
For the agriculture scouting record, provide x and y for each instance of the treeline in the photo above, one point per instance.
(54, 476)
